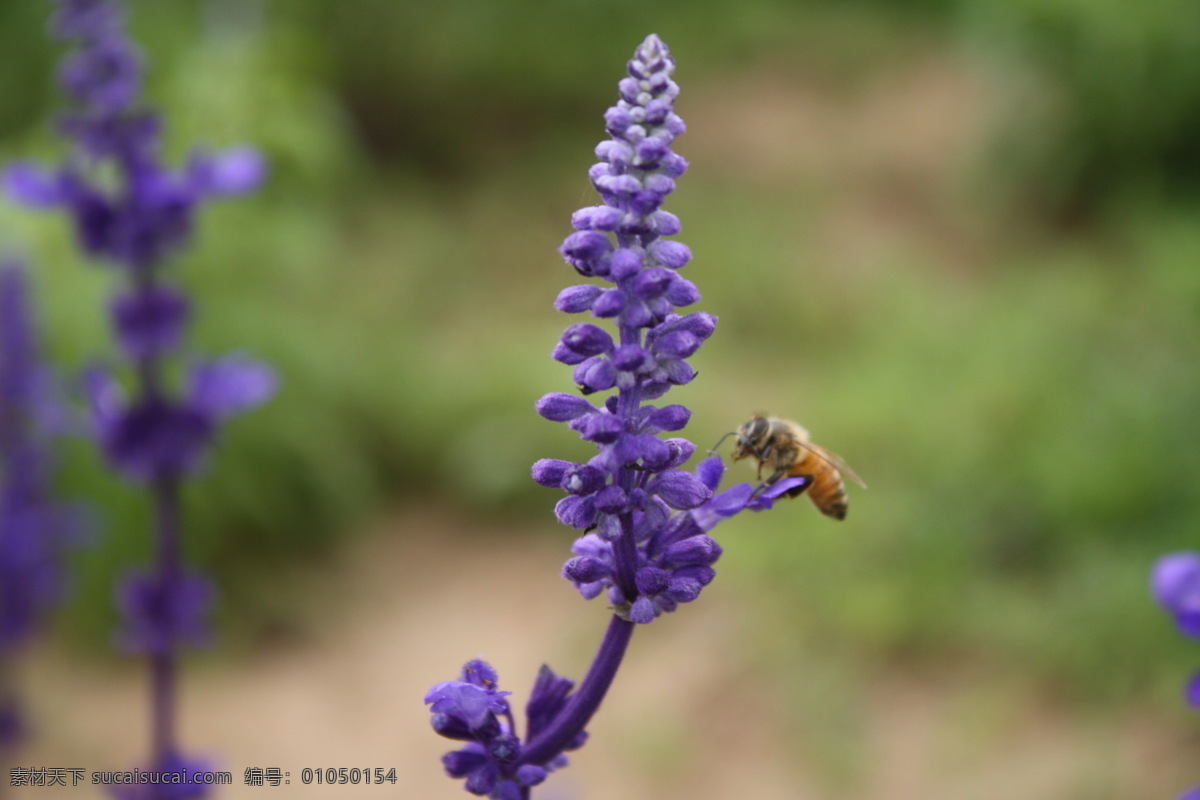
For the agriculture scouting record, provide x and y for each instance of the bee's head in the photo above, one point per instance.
(752, 437)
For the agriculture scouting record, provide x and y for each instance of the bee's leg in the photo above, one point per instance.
(796, 491)
(775, 477)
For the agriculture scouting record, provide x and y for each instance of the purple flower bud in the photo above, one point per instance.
(626, 450)
(32, 186)
(158, 612)
(611, 500)
(155, 438)
(601, 429)
(643, 204)
(677, 344)
(600, 218)
(585, 246)
(230, 385)
(653, 282)
(625, 263)
(583, 479)
(574, 299)
(1175, 583)
(630, 358)
(460, 763)
(651, 150)
(636, 315)
(587, 339)
(617, 120)
(530, 775)
(576, 511)
(684, 589)
(149, 322)
(451, 727)
(669, 253)
(595, 375)
(228, 173)
(561, 407)
(682, 292)
(679, 489)
(106, 75)
(585, 569)
(616, 154)
(660, 184)
(629, 90)
(702, 575)
(681, 451)
(674, 165)
(483, 780)
(669, 418)
(609, 304)
(618, 185)
(642, 611)
(700, 550)
(655, 452)
(652, 580)
(549, 472)
(566, 355)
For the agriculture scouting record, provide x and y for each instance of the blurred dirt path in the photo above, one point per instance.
(687, 717)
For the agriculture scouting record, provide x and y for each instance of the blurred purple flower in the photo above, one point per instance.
(134, 213)
(159, 612)
(1175, 584)
(167, 769)
(35, 528)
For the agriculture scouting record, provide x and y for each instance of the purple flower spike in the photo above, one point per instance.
(133, 213)
(644, 518)
(35, 529)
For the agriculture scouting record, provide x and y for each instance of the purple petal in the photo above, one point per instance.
(642, 611)
(231, 172)
(1192, 691)
(710, 471)
(230, 385)
(1175, 582)
(32, 186)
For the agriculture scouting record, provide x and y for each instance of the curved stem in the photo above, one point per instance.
(162, 664)
(583, 704)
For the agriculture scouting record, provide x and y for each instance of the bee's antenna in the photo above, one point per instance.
(713, 450)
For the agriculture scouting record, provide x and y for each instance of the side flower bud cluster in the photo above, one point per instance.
(474, 710)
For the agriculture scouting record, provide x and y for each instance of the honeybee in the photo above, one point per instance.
(784, 446)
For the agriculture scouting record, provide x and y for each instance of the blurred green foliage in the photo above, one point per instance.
(1021, 396)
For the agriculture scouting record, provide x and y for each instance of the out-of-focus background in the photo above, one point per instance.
(958, 239)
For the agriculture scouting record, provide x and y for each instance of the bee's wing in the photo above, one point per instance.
(835, 461)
